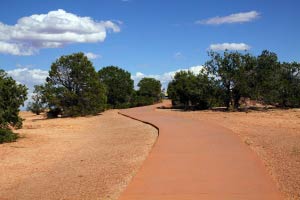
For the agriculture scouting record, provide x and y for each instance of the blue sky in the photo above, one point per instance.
(146, 37)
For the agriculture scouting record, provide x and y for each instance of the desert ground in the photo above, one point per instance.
(274, 135)
(73, 158)
(96, 157)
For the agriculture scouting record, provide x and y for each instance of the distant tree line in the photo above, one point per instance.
(228, 77)
(73, 88)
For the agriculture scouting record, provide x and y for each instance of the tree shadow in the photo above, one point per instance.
(222, 109)
(63, 117)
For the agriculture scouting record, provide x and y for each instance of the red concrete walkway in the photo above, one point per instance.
(197, 160)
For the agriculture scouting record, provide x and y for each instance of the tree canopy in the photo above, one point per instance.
(232, 70)
(118, 84)
(73, 87)
(12, 96)
(192, 90)
(150, 87)
(234, 75)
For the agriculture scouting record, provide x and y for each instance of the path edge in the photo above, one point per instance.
(145, 122)
(150, 124)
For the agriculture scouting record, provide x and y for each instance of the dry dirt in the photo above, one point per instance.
(81, 158)
(274, 135)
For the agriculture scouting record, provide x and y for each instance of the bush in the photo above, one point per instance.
(54, 112)
(7, 135)
(138, 100)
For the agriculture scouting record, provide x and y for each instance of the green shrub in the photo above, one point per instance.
(7, 135)
(142, 101)
(54, 112)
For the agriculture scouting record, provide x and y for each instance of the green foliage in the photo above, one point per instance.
(267, 77)
(289, 90)
(73, 87)
(38, 105)
(233, 70)
(138, 100)
(7, 135)
(197, 91)
(118, 84)
(12, 96)
(276, 83)
(149, 93)
(234, 75)
(151, 88)
(183, 88)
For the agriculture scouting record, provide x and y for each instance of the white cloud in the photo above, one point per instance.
(15, 49)
(52, 30)
(92, 56)
(230, 19)
(229, 46)
(28, 77)
(165, 78)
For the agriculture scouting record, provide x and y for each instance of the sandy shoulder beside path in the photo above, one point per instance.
(274, 135)
(73, 158)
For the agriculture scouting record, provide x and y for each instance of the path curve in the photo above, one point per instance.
(197, 160)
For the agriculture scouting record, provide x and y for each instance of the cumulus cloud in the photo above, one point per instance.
(52, 30)
(92, 56)
(230, 19)
(28, 77)
(229, 46)
(165, 78)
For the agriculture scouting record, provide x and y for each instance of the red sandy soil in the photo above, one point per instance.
(196, 159)
(73, 158)
(274, 135)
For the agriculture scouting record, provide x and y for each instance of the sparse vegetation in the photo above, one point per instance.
(38, 104)
(6, 135)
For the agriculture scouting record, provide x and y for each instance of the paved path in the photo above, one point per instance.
(197, 160)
